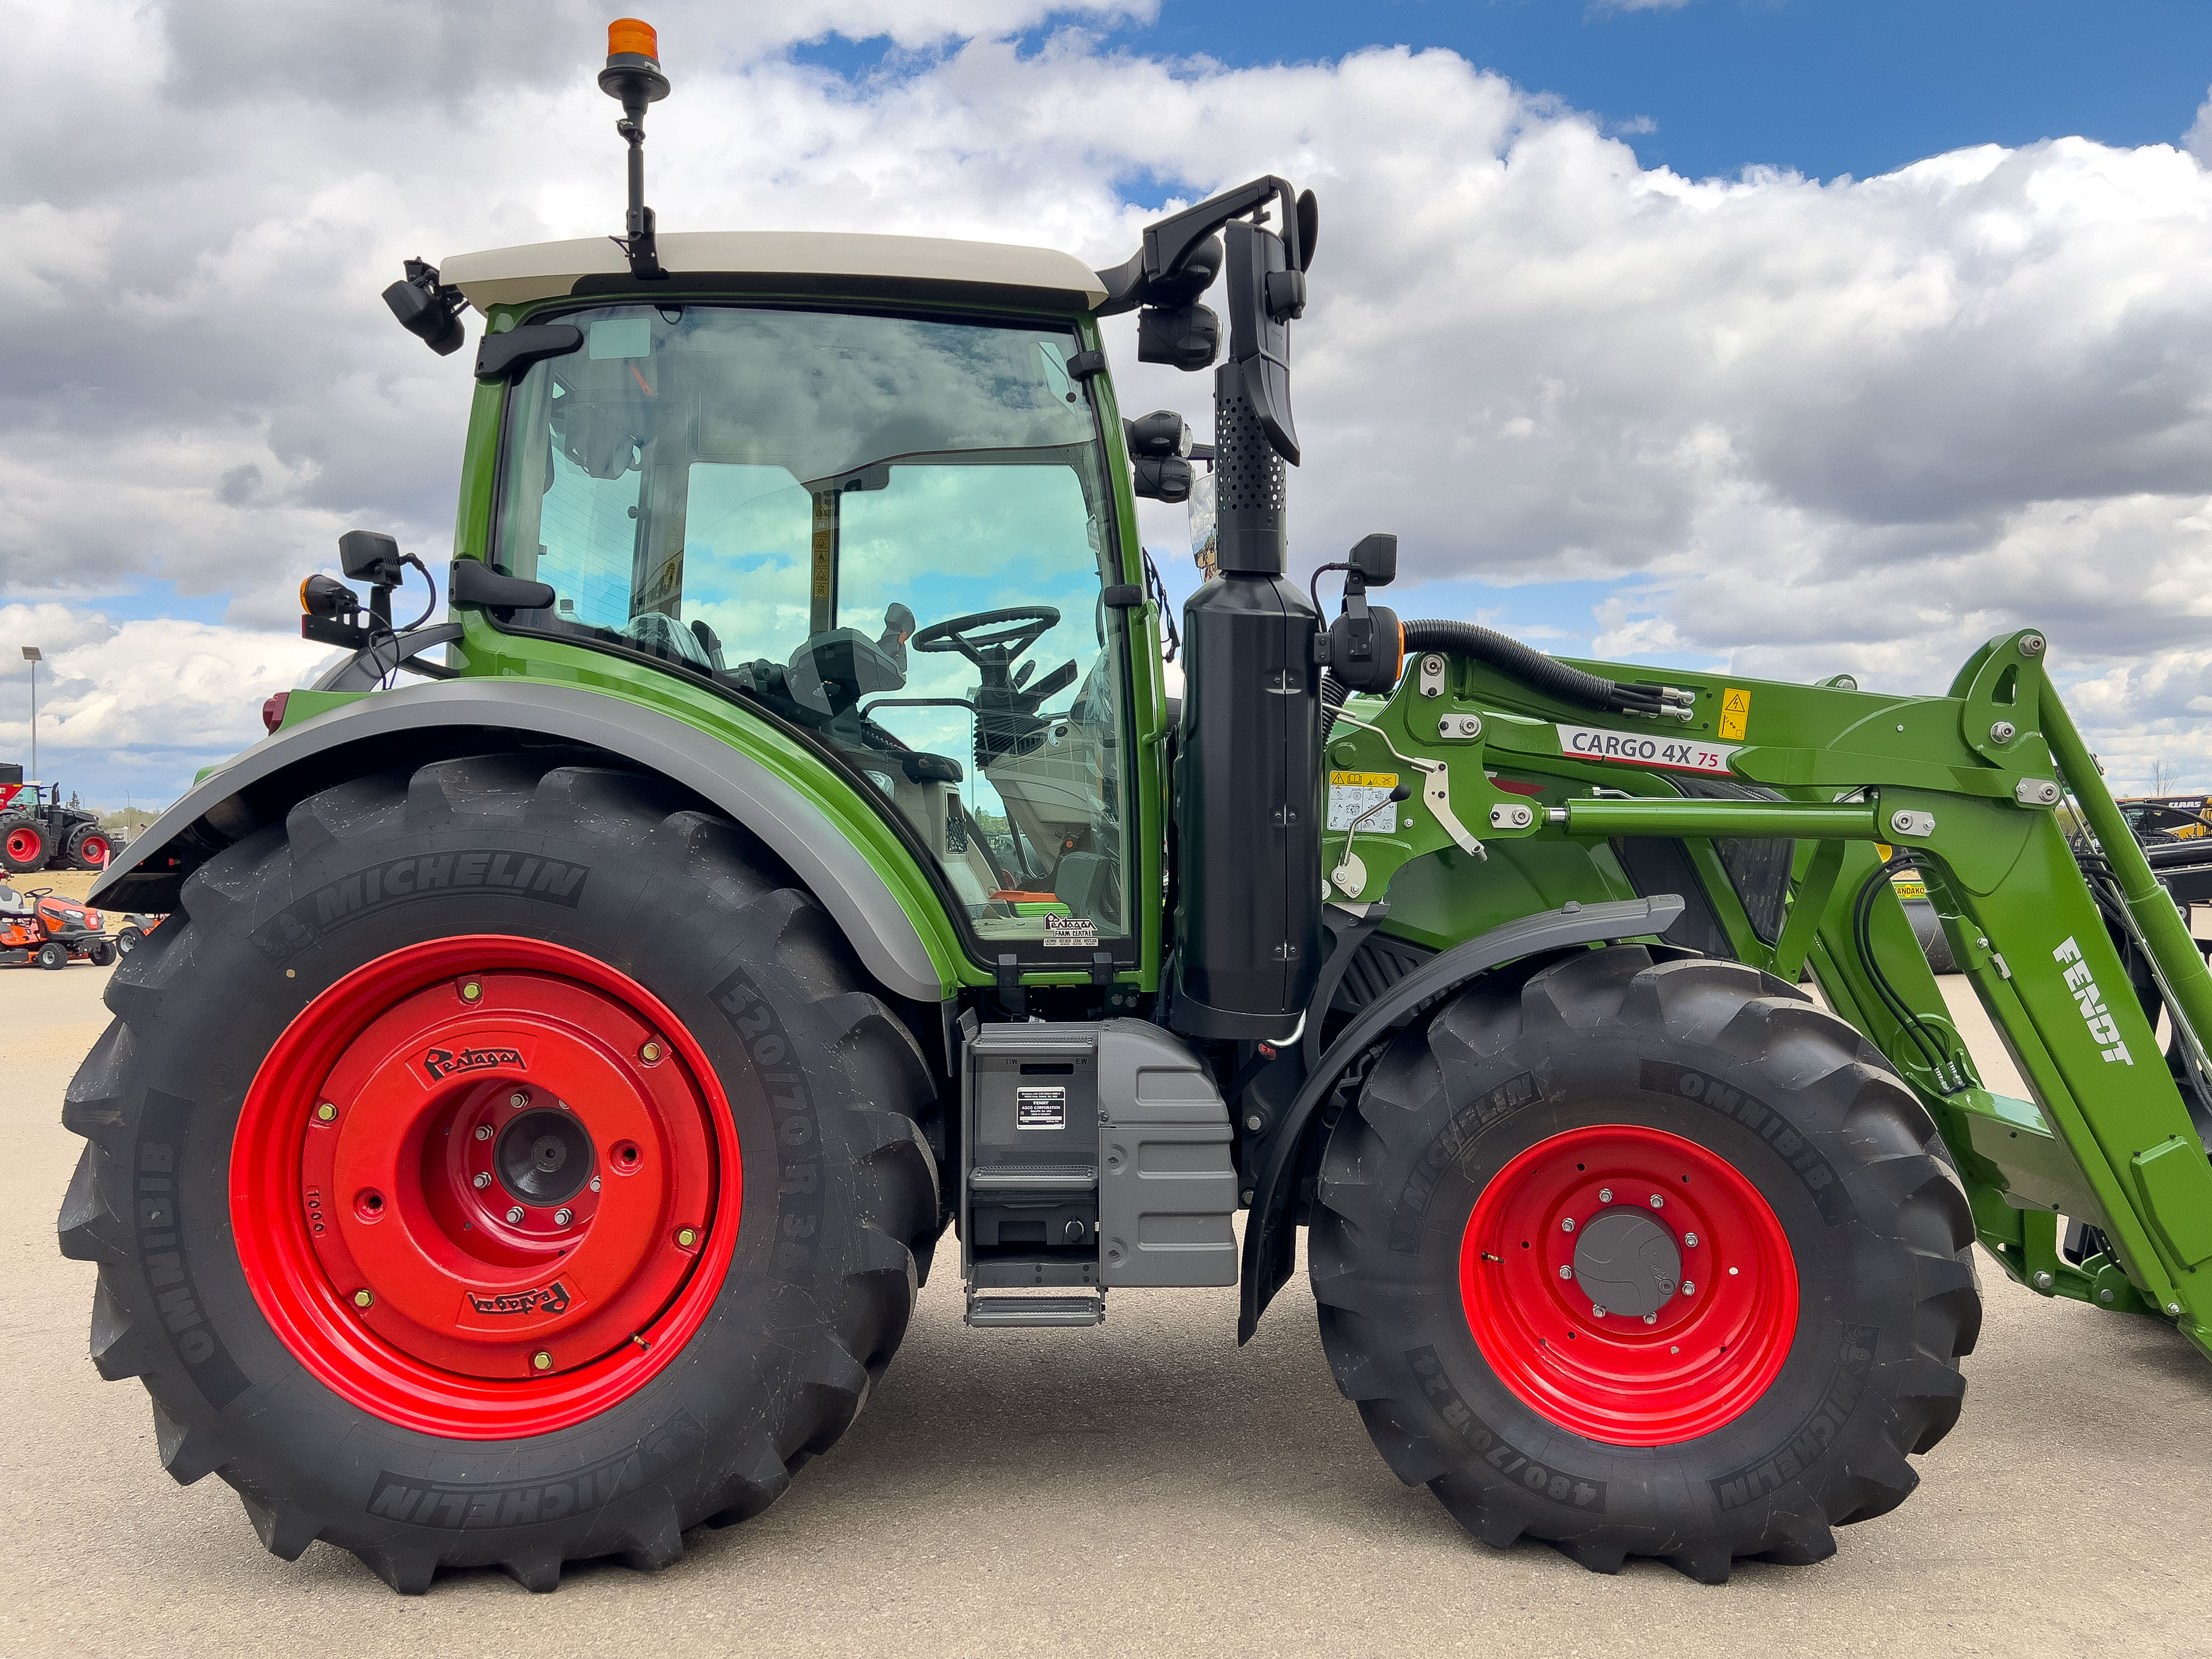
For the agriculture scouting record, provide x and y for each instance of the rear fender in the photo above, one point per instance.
(420, 724)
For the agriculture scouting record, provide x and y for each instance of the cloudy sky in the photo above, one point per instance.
(1799, 336)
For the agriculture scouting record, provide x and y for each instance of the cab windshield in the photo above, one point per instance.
(892, 533)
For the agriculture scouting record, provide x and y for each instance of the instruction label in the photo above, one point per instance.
(1635, 749)
(1353, 794)
(1735, 711)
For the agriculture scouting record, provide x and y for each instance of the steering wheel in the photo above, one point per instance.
(1017, 628)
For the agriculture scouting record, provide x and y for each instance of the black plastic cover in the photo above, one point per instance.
(1248, 819)
(504, 356)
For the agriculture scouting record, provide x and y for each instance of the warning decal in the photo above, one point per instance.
(1351, 794)
(1635, 749)
(1736, 710)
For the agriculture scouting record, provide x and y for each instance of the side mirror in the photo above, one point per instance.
(1264, 293)
(427, 308)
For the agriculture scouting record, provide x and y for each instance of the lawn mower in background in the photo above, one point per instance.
(132, 931)
(38, 928)
(38, 832)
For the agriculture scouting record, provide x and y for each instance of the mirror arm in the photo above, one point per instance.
(1172, 241)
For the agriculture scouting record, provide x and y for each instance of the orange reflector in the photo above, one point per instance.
(631, 34)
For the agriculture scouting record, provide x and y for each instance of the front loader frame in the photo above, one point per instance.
(1969, 788)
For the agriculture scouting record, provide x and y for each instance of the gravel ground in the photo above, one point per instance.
(1145, 1487)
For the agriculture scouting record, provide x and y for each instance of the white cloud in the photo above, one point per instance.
(154, 686)
(2198, 140)
(1814, 427)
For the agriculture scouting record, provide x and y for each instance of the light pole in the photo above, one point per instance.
(34, 656)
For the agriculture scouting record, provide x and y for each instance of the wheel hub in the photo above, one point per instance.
(543, 1157)
(1627, 1262)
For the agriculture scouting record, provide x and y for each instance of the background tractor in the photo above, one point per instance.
(37, 831)
(526, 1138)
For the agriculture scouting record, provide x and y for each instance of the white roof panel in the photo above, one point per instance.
(541, 271)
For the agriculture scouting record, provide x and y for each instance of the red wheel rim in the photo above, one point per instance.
(95, 851)
(24, 843)
(1714, 1340)
(485, 1187)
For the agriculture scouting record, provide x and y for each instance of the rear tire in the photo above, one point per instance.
(103, 952)
(1740, 1420)
(188, 1146)
(23, 847)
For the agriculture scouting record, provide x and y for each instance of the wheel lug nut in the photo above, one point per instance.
(1596, 1312)
(563, 1217)
(1688, 1289)
(1605, 1195)
(595, 1183)
(471, 991)
(1690, 1239)
(1566, 1272)
(650, 1053)
(517, 1100)
(363, 1298)
(687, 1236)
(1657, 1202)
(541, 1361)
(1567, 1225)
(483, 1132)
(1651, 1319)
(515, 1214)
(325, 1113)
(484, 1179)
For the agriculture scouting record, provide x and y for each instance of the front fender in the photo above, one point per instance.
(419, 723)
(1271, 1227)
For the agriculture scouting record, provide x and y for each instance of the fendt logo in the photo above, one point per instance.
(442, 1063)
(2091, 1001)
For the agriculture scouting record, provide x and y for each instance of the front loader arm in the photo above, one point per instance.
(1968, 786)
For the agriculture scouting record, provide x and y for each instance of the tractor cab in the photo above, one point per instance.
(886, 521)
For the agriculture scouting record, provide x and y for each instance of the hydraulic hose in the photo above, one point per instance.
(1532, 668)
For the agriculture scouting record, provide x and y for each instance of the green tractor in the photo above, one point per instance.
(526, 1139)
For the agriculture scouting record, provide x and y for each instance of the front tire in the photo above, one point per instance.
(53, 956)
(1648, 1259)
(352, 1297)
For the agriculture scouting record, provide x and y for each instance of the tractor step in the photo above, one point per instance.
(1010, 1312)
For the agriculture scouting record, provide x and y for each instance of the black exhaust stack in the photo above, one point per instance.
(1248, 795)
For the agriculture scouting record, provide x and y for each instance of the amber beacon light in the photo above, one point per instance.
(633, 78)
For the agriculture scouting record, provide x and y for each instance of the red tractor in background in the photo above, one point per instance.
(38, 832)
